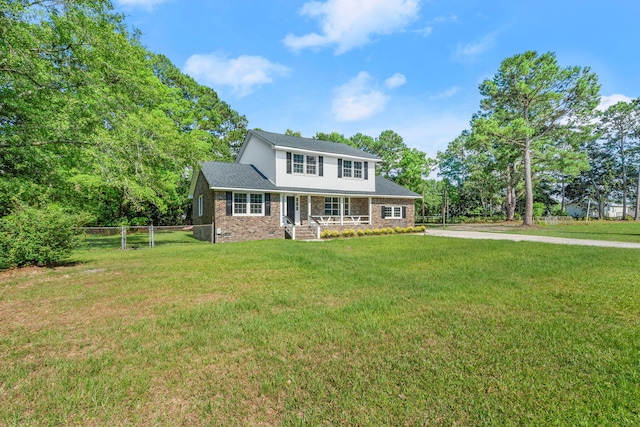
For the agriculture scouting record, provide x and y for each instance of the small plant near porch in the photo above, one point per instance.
(332, 234)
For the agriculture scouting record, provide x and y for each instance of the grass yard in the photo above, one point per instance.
(390, 330)
(619, 231)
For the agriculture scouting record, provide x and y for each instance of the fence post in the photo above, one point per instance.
(123, 238)
(152, 243)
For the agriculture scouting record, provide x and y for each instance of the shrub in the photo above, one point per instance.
(398, 230)
(32, 236)
(360, 232)
(335, 233)
(376, 231)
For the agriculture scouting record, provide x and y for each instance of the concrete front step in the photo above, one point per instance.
(305, 233)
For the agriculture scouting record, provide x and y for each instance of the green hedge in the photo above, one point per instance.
(42, 237)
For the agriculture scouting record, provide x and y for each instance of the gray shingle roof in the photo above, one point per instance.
(235, 176)
(238, 176)
(296, 142)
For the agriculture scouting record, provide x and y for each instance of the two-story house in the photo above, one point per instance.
(290, 187)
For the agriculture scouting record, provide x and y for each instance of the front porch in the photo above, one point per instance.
(309, 215)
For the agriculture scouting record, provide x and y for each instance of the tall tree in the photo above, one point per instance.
(619, 125)
(92, 120)
(529, 100)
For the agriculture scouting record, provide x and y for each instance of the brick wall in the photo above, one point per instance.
(202, 189)
(243, 228)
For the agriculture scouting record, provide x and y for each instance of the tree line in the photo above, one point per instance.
(93, 122)
(539, 142)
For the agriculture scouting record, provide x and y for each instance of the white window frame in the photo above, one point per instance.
(357, 171)
(347, 171)
(307, 166)
(334, 210)
(200, 205)
(311, 164)
(350, 171)
(248, 205)
(346, 206)
(396, 212)
(298, 167)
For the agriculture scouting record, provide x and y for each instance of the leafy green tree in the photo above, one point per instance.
(619, 124)
(92, 120)
(528, 102)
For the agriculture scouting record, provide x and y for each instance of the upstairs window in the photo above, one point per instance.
(311, 165)
(298, 163)
(347, 168)
(303, 164)
(357, 170)
(352, 169)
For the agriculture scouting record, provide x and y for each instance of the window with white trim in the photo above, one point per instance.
(302, 164)
(332, 206)
(311, 165)
(200, 205)
(346, 207)
(248, 203)
(347, 168)
(357, 170)
(298, 163)
(393, 212)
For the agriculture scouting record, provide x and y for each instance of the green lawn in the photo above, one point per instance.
(620, 231)
(389, 330)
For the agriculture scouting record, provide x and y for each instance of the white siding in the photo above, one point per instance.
(261, 155)
(329, 180)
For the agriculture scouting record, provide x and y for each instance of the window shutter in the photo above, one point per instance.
(320, 166)
(404, 212)
(382, 209)
(229, 203)
(366, 170)
(267, 204)
(288, 162)
(339, 168)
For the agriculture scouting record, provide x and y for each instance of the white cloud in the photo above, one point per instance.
(447, 93)
(144, 4)
(350, 23)
(608, 101)
(469, 51)
(426, 31)
(243, 74)
(395, 81)
(358, 99)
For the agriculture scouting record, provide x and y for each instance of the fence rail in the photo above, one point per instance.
(140, 237)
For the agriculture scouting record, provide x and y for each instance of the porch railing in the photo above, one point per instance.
(289, 226)
(314, 225)
(341, 220)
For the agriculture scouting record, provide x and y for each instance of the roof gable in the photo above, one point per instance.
(235, 176)
(308, 144)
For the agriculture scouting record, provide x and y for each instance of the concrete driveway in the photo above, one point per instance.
(526, 238)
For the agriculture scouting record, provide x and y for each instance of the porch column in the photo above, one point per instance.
(341, 210)
(370, 211)
(309, 209)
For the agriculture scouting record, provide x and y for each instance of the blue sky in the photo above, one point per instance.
(412, 66)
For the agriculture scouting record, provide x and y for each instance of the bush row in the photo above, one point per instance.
(327, 234)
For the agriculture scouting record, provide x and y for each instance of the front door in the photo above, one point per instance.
(291, 208)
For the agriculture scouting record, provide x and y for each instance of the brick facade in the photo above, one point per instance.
(237, 228)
